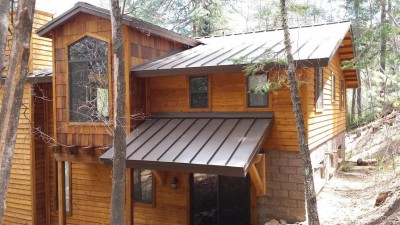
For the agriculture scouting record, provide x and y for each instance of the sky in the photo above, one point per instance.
(59, 6)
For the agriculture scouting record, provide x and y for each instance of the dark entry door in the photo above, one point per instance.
(220, 200)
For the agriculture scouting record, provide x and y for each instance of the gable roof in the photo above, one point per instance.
(127, 20)
(311, 46)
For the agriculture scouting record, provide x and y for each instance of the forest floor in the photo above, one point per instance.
(366, 194)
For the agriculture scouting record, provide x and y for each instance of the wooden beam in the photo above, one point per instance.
(88, 150)
(256, 179)
(160, 176)
(81, 154)
(70, 149)
(257, 158)
(61, 193)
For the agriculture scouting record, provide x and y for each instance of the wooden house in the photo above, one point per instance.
(203, 148)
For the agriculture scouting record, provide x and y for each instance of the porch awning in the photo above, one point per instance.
(214, 143)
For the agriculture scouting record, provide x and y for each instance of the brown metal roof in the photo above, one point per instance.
(312, 46)
(127, 20)
(215, 143)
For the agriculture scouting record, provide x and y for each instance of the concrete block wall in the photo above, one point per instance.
(285, 188)
(285, 197)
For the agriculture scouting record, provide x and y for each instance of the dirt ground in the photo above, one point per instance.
(350, 196)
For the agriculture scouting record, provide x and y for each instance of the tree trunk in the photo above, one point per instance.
(311, 199)
(13, 92)
(4, 13)
(119, 157)
(357, 35)
(359, 107)
(353, 106)
(382, 61)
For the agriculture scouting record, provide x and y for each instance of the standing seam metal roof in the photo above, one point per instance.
(311, 46)
(216, 143)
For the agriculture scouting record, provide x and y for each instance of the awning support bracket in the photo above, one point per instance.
(258, 174)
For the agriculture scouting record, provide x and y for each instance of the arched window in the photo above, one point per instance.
(88, 80)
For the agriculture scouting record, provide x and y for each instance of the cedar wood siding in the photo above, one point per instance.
(19, 197)
(331, 121)
(91, 183)
(21, 200)
(41, 48)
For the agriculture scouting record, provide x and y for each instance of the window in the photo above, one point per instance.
(256, 99)
(88, 80)
(142, 185)
(198, 88)
(342, 94)
(319, 88)
(333, 86)
(67, 186)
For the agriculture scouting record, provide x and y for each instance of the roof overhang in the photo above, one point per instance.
(213, 143)
(43, 76)
(82, 7)
(137, 71)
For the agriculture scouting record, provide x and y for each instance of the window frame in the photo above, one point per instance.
(319, 90)
(190, 108)
(110, 82)
(67, 213)
(342, 95)
(268, 95)
(135, 202)
(333, 86)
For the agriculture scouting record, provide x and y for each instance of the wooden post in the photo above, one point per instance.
(61, 193)
(128, 202)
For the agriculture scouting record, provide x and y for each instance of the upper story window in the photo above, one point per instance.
(319, 88)
(142, 186)
(256, 99)
(88, 80)
(198, 88)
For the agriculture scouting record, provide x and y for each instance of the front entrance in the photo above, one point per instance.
(220, 200)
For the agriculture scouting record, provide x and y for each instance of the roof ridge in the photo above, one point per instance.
(274, 29)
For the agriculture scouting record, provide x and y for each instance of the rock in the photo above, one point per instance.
(272, 222)
(382, 197)
(283, 222)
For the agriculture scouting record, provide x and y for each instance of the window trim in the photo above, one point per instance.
(319, 90)
(268, 95)
(67, 213)
(333, 86)
(110, 82)
(342, 95)
(135, 203)
(208, 108)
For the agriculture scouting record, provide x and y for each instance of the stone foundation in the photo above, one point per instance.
(285, 181)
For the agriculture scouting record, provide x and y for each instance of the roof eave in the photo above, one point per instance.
(221, 68)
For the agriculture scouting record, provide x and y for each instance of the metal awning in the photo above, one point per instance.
(214, 143)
